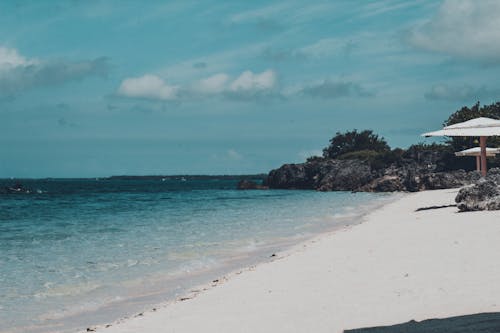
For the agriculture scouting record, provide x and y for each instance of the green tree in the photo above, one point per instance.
(466, 113)
(352, 141)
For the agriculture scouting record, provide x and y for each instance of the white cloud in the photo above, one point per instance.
(147, 86)
(260, 13)
(19, 73)
(234, 155)
(384, 7)
(466, 93)
(248, 81)
(10, 58)
(462, 28)
(285, 13)
(212, 85)
(246, 86)
(334, 89)
(227, 60)
(325, 47)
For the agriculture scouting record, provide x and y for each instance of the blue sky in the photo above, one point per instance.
(98, 88)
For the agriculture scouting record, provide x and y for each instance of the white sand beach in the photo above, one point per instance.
(397, 266)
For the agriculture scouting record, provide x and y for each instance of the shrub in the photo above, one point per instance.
(377, 160)
(354, 141)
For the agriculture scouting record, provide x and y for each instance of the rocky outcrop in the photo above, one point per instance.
(484, 195)
(386, 183)
(341, 175)
(443, 180)
(357, 175)
(250, 185)
(289, 176)
(324, 175)
(494, 175)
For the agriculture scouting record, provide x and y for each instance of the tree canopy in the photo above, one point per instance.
(351, 141)
(365, 145)
(466, 113)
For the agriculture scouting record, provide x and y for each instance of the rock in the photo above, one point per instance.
(289, 176)
(474, 176)
(250, 185)
(357, 175)
(427, 158)
(343, 175)
(444, 180)
(484, 195)
(493, 174)
(322, 175)
(385, 183)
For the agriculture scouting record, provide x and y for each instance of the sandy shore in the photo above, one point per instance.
(396, 266)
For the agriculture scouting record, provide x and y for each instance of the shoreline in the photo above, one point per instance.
(167, 256)
(289, 247)
(235, 266)
(302, 288)
(167, 290)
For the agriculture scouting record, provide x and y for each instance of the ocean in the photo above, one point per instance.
(77, 252)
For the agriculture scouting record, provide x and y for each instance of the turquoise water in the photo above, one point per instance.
(78, 252)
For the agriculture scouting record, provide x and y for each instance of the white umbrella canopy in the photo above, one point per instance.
(475, 127)
(476, 151)
(481, 127)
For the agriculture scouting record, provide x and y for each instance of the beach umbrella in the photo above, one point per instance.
(476, 151)
(481, 127)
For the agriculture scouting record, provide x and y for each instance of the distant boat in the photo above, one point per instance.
(183, 179)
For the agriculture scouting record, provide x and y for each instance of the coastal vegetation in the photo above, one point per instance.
(366, 145)
(354, 141)
(466, 113)
(363, 161)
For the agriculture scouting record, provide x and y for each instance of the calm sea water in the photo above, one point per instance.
(78, 252)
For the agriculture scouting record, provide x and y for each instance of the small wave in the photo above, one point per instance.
(71, 310)
(131, 263)
(196, 266)
(344, 215)
(54, 290)
(183, 255)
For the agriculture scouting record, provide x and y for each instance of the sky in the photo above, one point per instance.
(100, 88)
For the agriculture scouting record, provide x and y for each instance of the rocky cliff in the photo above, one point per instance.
(413, 173)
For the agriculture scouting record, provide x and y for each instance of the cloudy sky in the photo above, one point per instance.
(98, 88)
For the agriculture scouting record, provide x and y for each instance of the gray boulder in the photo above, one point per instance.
(494, 175)
(484, 195)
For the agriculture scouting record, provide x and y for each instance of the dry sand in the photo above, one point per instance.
(396, 266)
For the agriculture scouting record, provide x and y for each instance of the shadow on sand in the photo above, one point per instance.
(477, 323)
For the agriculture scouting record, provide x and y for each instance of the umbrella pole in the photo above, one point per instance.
(482, 143)
(478, 163)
